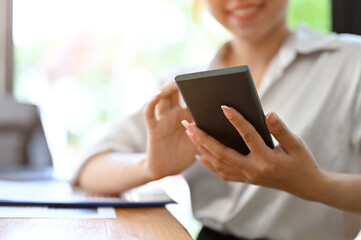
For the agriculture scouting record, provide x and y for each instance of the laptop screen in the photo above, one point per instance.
(22, 139)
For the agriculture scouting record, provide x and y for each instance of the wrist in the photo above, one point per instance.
(320, 188)
(148, 172)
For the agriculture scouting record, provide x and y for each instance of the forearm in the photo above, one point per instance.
(342, 191)
(112, 173)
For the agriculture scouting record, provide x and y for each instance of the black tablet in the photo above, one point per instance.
(205, 92)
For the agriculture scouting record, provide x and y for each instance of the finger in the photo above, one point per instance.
(249, 134)
(163, 106)
(169, 89)
(175, 100)
(186, 115)
(149, 111)
(280, 131)
(190, 136)
(218, 150)
(217, 164)
(168, 94)
(229, 174)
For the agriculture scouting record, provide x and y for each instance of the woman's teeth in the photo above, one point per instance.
(244, 12)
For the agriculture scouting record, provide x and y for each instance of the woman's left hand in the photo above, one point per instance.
(290, 166)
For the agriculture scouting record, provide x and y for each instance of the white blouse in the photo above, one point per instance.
(314, 85)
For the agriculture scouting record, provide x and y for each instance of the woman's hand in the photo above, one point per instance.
(169, 151)
(290, 166)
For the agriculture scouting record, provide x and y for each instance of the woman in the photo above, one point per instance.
(308, 186)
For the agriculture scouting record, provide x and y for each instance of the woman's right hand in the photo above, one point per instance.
(169, 150)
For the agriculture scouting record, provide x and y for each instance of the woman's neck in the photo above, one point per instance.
(257, 54)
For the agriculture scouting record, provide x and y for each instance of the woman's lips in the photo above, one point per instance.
(245, 13)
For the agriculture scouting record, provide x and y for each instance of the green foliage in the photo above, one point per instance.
(314, 13)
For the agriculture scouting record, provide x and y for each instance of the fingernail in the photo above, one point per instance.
(185, 123)
(272, 117)
(189, 127)
(157, 93)
(198, 157)
(227, 112)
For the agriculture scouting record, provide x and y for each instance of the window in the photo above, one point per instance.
(87, 62)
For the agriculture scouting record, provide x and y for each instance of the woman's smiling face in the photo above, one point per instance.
(249, 19)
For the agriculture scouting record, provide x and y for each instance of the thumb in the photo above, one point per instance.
(280, 131)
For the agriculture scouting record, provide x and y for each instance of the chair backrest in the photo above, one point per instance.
(22, 138)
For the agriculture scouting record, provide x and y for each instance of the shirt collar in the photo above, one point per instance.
(304, 40)
(218, 59)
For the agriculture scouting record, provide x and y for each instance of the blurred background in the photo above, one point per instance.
(87, 63)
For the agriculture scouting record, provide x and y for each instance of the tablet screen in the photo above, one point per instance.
(205, 92)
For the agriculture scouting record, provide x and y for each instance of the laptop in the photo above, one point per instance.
(24, 150)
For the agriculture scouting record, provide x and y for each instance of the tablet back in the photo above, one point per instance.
(205, 92)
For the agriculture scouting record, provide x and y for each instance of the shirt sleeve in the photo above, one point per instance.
(129, 136)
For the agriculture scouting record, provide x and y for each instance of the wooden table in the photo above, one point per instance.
(131, 224)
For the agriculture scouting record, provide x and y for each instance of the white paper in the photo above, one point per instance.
(49, 212)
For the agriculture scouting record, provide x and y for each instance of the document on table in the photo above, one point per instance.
(56, 212)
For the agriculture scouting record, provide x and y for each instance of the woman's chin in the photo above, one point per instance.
(247, 35)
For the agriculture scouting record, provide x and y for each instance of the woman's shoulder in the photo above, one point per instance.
(350, 44)
(309, 40)
(341, 51)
